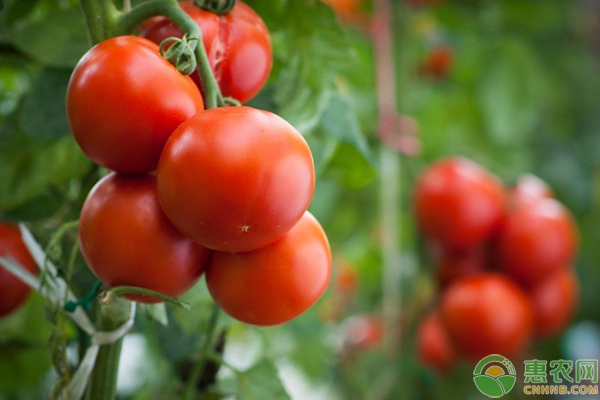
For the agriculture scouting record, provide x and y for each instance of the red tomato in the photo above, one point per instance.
(238, 45)
(434, 348)
(538, 239)
(458, 203)
(346, 279)
(452, 267)
(235, 178)
(275, 283)
(349, 11)
(487, 314)
(438, 62)
(555, 300)
(124, 100)
(13, 292)
(363, 332)
(529, 188)
(127, 240)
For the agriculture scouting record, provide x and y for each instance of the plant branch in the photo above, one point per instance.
(100, 18)
(107, 297)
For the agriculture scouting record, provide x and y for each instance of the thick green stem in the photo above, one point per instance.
(196, 374)
(170, 9)
(100, 18)
(103, 382)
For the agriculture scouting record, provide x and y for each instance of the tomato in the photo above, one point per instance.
(275, 283)
(437, 62)
(13, 291)
(538, 239)
(238, 45)
(235, 178)
(124, 100)
(555, 300)
(434, 347)
(127, 240)
(347, 279)
(363, 332)
(458, 203)
(452, 267)
(487, 314)
(529, 188)
(349, 11)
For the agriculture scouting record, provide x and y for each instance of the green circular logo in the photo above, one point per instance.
(495, 376)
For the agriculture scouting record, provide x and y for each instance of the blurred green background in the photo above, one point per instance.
(521, 95)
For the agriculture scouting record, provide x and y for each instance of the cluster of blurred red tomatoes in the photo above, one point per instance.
(503, 260)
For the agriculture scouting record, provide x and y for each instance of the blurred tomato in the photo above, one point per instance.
(487, 314)
(434, 348)
(349, 11)
(346, 279)
(555, 300)
(438, 62)
(363, 332)
(529, 188)
(537, 240)
(458, 203)
(453, 266)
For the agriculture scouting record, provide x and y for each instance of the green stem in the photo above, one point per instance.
(198, 369)
(108, 296)
(103, 382)
(170, 9)
(100, 18)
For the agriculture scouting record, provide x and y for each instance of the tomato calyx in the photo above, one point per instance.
(106, 297)
(219, 7)
(180, 53)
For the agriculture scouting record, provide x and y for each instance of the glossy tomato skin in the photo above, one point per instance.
(124, 100)
(128, 241)
(458, 204)
(434, 347)
(276, 283)
(487, 314)
(555, 300)
(238, 45)
(235, 178)
(537, 240)
(13, 292)
(529, 188)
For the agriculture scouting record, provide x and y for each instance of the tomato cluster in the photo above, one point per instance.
(232, 185)
(503, 260)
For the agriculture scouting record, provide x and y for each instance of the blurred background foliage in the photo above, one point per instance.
(521, 95)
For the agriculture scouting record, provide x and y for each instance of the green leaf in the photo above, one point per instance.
(260, 382)
(155, 312)
(350, 168)
(22, 365)
(340, 121)
(53, 33)
(43, 112)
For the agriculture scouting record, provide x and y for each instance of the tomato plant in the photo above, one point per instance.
(458, 203)
(124, 100)
(538, 239)
(434, 347)
(14, 292)
(555, 300)
(235, 179)
(128, 241)
(238, 45)
(275, 283)
(487, 314)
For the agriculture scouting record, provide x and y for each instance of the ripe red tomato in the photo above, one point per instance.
(437, 62)
(537, 240)
(238, 45)
(275, 283)
(434, 348)
(486, 314)
(458, 203)
(235, 178)
(555, 300)
(13, 292)
(453, 267)
(124, 100)
(126, 239)
(363, 332)
(529, 188)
